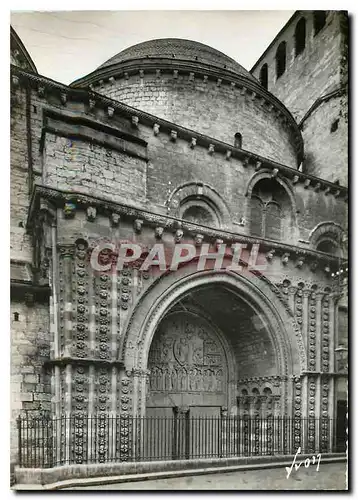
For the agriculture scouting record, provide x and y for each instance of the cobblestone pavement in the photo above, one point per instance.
(329, 477)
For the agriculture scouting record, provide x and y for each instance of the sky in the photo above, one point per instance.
(66, 45)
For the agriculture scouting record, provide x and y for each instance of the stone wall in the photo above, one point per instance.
(30, 382)
(327, 146)
(79, 166)
(219, 111)
(311, 75)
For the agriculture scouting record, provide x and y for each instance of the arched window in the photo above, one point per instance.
(270, 210)
(256, 216)
(238, 141)
(328, 246)
(199, 210)
(281, 59)
(319, 20)
(273, 221)
(264, 76)
(300, 36)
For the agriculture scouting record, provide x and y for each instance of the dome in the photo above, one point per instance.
(179, 50)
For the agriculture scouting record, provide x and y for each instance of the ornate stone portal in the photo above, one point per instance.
(187, 363)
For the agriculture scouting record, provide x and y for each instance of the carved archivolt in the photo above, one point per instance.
(285, 334)
(205, 196)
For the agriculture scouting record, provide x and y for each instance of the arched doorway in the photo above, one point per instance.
(184, 318)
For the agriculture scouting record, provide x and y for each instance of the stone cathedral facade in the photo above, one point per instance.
(172, 141)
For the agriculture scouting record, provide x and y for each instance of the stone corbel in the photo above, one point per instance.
(91, 213)
(69, 210)
(41, 91)
(191, 77)
(245, 163)
(92, 104)
(258, 165)
(228, 154)
(63, 97)
(300, 261)
(270, 255)
(205, 78)
(179, 233)
(285, 258)
(111, 80)
(218, 82)
(173, 135)
(211, 149)
(156, 128)
(295, 179)
(126, 75)
(317, 187)
(198, 239)
(307, 183)
(274, 173)
(110, 111)
(15, 80)
(175, 74)
(157, 73)
(115, 218)
(138, 223)
(193, 142)
(135, 121)
(327, 190)
(141, 73)
(337, 193)
(218, 243)
(159, 232)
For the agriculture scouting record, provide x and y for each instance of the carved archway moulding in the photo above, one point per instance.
(322, 229)
(168, 290)
(204, 192)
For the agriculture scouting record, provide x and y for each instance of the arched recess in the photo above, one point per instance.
(290, 229)
(327, 237)
(205, 198)
(170, 289)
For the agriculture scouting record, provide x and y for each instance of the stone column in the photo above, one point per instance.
(67, 253)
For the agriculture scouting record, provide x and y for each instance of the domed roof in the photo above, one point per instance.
(178, 49)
